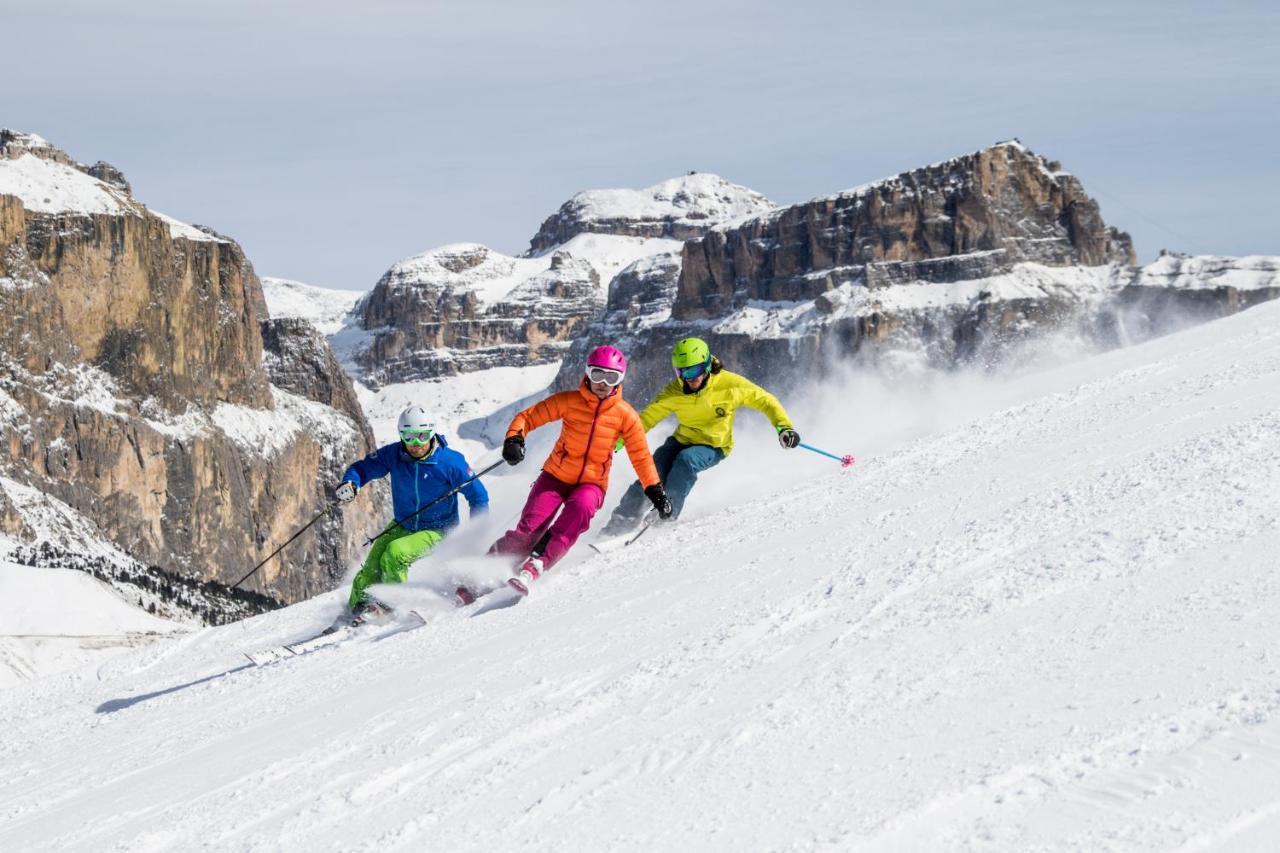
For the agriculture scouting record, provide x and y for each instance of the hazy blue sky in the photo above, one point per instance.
(332, 139)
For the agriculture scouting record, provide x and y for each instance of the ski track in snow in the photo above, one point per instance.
(1046, 629)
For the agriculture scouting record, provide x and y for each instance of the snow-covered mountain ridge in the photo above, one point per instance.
(49, 181)
(464, 307)
(1043, 626)
(322, 307)
(971, 261)
(678, 209)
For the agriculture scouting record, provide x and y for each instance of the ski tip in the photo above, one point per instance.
(500, 600)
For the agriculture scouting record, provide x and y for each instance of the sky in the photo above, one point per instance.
(334, 139)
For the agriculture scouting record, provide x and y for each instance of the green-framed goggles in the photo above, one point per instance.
(416, 436)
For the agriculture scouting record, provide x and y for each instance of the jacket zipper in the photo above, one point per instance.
(586, 454)
(417, 497)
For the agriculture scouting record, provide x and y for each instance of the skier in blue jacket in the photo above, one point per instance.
(422, 468)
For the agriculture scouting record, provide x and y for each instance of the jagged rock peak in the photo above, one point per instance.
(963, 169)
(15, 143)
(680, 208)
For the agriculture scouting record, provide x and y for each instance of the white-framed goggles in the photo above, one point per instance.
(612, 378)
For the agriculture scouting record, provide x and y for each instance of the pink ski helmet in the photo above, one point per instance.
(610, 358)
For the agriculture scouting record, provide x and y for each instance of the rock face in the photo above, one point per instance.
(678, 209)
(133, 388)
(465, 307)
(972, 217)
(962, 262)
(299, 361)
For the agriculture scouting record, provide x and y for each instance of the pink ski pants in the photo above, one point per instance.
(547, 495)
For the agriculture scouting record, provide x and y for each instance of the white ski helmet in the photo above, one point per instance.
(416, 419)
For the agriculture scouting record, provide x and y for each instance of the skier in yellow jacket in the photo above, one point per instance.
(704, 398)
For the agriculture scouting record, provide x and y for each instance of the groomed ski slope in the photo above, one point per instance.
(1050, 627)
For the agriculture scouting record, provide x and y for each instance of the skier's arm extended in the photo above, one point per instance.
(638, 449)
(657, 410)
(369, 468)
(542, 412)
(755, 397)
(652, 414)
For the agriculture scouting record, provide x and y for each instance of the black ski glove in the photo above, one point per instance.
(658, 497)
(788, 438)
(513, 449)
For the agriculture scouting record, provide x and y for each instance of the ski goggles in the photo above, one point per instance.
(612, 378)
(417, 437)
(693, 371)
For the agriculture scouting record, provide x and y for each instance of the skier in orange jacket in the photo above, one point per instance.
(576, 473)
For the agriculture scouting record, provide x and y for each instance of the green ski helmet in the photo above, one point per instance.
(691, 358)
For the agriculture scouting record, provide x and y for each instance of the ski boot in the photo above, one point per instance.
(369, 610)
(530, 570)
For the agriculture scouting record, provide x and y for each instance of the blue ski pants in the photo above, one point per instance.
(678, 467)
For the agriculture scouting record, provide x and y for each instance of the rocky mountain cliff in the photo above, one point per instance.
(135, 400)
(961, 262)
(465, 307)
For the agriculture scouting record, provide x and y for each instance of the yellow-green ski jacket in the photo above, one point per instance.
(706, 415)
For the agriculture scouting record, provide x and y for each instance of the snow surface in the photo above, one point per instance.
(492, 276)
(1205, 272)
(694, 199)
(1040, 620)
(58, 619)
(466, 266)
(264, 432)
(773, 319)
(45, 186)
(323, 308)
(54, 521)
(611, 253)
(179, 230)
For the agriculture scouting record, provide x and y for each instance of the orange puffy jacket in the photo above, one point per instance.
(591, 428)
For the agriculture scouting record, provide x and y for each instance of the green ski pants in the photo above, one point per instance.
(393, 552)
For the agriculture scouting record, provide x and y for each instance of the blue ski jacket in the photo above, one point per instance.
(417, 482)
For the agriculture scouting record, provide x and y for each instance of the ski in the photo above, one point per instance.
(330, 636)
(616, 543)
(486, 599)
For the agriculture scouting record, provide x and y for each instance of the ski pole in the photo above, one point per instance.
(399, 522)
(328, 507)
(845, 461)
